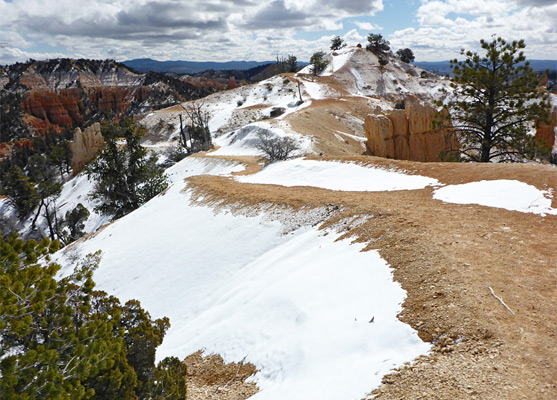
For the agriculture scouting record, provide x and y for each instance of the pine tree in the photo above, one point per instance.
(20, 190)
(75, 221)
(405, 55)
(125, 176)
(337, 43)
(377, 43)
(62, 339)
(318, 63)
(497, 103)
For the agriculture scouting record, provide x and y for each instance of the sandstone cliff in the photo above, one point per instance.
(406, 134)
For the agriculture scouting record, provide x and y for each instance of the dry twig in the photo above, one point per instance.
(500, 300)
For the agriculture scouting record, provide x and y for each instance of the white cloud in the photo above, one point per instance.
(353, 37)
(186, 29)
(450, 25)
(366, 26)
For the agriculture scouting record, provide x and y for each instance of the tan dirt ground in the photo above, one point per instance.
(445, 255)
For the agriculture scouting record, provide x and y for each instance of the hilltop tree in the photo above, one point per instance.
(318, 63)
(126, 177)
(496, 104)
(337, 43)
(62, 339)
(405, 55)
(377, 44)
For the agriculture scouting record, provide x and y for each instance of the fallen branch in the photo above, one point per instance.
(500, 300)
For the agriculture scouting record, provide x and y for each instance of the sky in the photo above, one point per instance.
(254, 30)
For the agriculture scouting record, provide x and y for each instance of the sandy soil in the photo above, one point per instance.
(446, 256)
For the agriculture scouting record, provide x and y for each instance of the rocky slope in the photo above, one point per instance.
(61, 93)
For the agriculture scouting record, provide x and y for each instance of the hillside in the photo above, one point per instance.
(66, 93)
(338, 274)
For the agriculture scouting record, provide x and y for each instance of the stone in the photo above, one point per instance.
(85, 146)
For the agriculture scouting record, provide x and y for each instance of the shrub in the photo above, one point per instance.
(276, 148)
(75, 220)
(382, 62)
(176, 154)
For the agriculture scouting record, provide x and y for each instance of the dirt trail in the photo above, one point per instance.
(445, 256)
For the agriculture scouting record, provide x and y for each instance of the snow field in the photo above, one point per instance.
(243, 142)
(508, 194)
(335, 175)
(298, 306)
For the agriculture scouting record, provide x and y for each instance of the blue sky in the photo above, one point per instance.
(223, 30)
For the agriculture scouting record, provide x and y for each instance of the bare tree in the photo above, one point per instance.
(276, 148)
(196, 136)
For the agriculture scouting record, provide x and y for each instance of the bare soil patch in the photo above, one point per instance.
(209, 378)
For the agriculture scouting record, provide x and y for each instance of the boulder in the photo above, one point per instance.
(85, 146)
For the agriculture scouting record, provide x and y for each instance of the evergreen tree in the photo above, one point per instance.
(75, 220)
(286, 64)
(62, 339)
(20, 190)
(291, 63)
(125, 176)
(405, 55)
(337, 43)
(318, 63)
(497, 103)
(377, 43)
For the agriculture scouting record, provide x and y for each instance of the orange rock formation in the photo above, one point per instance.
(406, 134)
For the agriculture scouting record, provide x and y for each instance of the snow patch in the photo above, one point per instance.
(508, 194)
(335, 175)
(298, 306)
